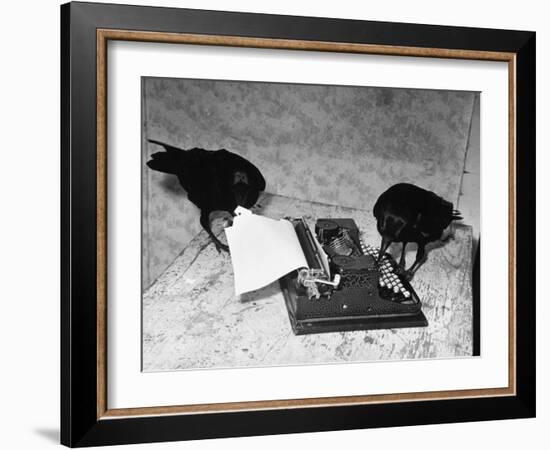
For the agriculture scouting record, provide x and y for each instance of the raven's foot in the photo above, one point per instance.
(400, 270)
(407, 275)
(220, 247)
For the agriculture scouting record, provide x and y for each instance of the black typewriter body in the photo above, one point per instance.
(342, 290)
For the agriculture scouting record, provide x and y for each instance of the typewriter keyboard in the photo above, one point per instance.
(391, 287)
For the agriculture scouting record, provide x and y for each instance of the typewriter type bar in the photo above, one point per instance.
(316, 277)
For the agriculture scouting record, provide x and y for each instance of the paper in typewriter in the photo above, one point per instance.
(262, 250)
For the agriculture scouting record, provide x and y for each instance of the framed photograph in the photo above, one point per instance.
(278, 224)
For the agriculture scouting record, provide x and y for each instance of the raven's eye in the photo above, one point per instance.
(240, 177)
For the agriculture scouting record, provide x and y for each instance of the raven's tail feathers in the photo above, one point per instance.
(169, 161)
(168, 147)
(457, 215)
(163, 162)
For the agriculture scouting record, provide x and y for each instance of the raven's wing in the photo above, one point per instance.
(206, 181)
(195, 169)
(212, 181)
(396, 198)
(229, 163)
(436, 214)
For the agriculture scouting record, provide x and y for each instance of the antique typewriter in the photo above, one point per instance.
(344, 288)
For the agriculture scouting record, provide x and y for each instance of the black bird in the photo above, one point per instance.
(406, 213)
(215, 180)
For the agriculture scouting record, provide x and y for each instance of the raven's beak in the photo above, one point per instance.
(228, 222)
(383, 247)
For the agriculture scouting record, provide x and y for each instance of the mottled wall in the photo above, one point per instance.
(469, 199)
(332, 144)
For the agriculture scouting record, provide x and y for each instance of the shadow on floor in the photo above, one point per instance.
(50, 434)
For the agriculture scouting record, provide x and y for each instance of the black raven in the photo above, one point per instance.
(406, 213)
(215, 180)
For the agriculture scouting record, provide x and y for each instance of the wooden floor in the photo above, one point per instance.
(192, 318)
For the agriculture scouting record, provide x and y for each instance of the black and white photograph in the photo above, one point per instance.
(298, 224)
(258, 225)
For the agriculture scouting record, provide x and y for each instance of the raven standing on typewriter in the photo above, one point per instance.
(406, 213)
(216, 181)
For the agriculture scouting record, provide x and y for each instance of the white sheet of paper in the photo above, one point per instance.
(262, 250)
